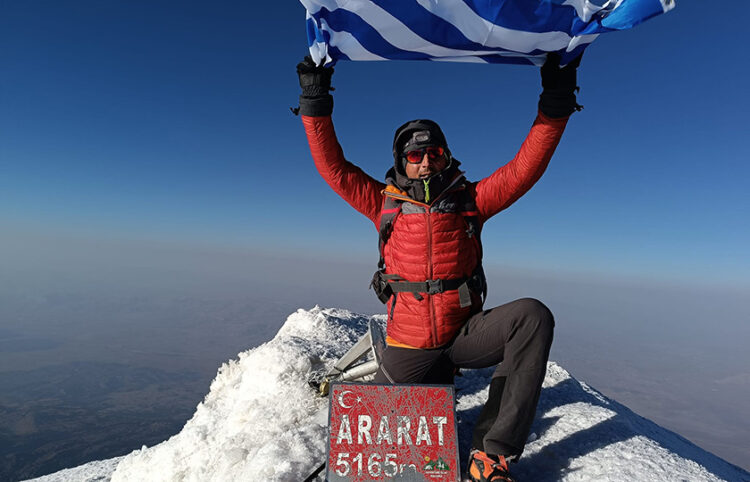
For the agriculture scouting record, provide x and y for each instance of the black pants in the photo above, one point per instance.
(518, 334)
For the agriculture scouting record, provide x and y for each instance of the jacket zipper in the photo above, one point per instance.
(433, 324)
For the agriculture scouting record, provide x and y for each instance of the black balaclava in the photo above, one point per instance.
(418, 134)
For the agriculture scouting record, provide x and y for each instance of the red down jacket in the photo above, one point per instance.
(429, 243)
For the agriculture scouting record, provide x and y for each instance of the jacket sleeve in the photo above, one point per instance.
(511, 181)
(361, 191)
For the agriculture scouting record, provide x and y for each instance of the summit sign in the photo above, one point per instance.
(392, 432)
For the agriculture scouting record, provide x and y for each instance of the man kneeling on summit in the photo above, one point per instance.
(429, 218)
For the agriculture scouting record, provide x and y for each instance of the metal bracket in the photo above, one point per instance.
(362, 360)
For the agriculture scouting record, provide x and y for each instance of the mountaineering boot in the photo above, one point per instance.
(488, 468)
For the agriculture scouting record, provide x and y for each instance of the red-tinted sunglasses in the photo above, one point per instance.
(433, 152)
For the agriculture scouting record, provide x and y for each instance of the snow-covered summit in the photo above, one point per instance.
(262, 422)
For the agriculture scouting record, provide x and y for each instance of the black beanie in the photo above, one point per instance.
(417, 134)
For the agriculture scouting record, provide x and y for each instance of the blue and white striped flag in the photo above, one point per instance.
(491, 31)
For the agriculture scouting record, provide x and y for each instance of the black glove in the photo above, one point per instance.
(315, 81)
(558, 97)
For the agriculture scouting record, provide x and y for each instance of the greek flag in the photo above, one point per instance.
(490, 31)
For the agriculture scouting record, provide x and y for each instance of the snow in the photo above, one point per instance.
(96, 471)
(261, 421)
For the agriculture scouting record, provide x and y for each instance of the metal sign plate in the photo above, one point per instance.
(392, 432)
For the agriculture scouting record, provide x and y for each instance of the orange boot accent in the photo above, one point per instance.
(488, 468)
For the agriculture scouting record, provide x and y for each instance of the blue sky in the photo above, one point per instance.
(145, 120)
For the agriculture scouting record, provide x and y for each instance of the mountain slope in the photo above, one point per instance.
(261, 421)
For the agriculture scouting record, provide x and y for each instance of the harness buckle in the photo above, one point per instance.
(381, 287)
(434, 286)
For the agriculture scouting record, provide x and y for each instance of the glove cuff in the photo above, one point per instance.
(317, 106)
(316, 90)
(558, 103)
